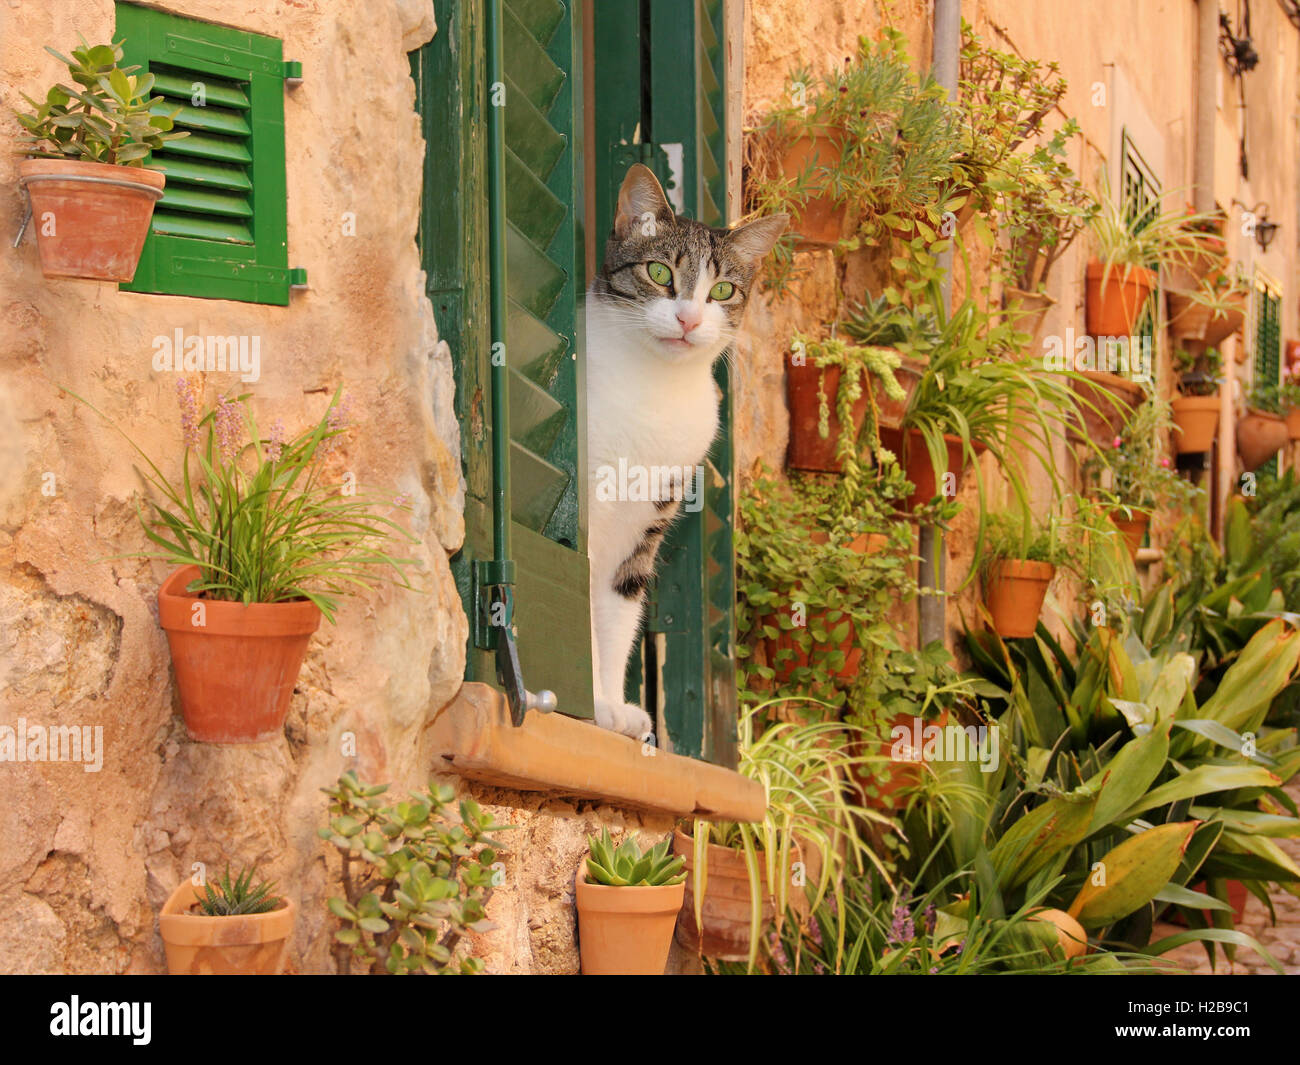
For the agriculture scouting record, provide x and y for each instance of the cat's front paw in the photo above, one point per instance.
(626, 718)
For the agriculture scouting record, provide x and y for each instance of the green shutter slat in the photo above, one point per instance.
(182, 86)
(542, 17)
(536, 282)
(537, 76)
(203, 119)
(532, 347)
(209, 146)
(535, 141)
(203, 201)
(205, 174)
(536, 417)
(530, 205)
(536, 487)
(227, 231)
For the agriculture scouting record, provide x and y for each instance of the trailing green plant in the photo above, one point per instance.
(802, 575)
(626, 865)
(1017, 171)
(1135, 475)
(261, 515)
(895, 133)
(1129, 233)
(109, 117)
(238, 897)
(1274, 397)
(415, 881)
(810, 839)
(1198, 373)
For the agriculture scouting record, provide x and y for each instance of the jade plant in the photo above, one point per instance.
(416, 881)
(627, 865)
(106, 116)
(234, 898)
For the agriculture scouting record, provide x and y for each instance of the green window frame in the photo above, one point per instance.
(1267, 332)
(221, 229)
(687, 667)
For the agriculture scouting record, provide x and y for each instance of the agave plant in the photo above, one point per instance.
(628, 866)
(238, 897)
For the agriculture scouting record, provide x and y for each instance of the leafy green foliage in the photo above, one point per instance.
(628, 866)
(1136, 474)
(415, 881)
(108, 118)
(261, 516)
(240, 896)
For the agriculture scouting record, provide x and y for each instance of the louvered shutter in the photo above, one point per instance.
(220, 230)
(1268, 348)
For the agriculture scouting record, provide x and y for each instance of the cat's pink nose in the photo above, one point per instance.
(688, 320)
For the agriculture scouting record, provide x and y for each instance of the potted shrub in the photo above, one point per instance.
(744, 878)
(416, 878)
(820, 563)
(1289, 395)
(1196, 409)
(1019, 563)
(230, 928)
(1132, 242)
(628, 901)
(1212, 312)
(91, 196)
(265, 540)
(1263, 431)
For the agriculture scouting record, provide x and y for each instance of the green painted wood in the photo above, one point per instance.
(1268, 349)
(543, 253)
(230, 244)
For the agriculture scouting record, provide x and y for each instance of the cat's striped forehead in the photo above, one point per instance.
(686, 246)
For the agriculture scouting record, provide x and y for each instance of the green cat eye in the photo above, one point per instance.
(723, 290)
(659, 273)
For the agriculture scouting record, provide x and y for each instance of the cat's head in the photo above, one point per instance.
(676, 287)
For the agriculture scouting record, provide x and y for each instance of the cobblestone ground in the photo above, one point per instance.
(1282, 940)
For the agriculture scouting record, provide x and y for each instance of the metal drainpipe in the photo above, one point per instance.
(931, 609)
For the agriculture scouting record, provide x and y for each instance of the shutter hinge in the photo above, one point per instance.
(297, 277)
(292, 73)
(493, 629)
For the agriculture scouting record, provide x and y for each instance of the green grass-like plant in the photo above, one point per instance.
(238, 897)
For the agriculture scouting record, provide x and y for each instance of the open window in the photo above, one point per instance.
(588, 90)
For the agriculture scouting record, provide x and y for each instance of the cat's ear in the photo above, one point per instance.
(641, 203)
(755, 239)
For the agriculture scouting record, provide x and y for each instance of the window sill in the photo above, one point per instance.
(472, 736)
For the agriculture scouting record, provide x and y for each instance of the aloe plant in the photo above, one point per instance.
(238, 897)
(628, 866)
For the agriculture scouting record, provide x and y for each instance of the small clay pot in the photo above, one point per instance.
(625, 931)
(1134, 529)
(254, 944)
(1014, 592)
(1197, 421)
(90, 219)
(1260, 436)
(820, 221)
(1116, 299)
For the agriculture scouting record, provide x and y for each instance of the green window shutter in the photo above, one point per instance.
(1268, 347)
(220, 230)
(687, 662)
(544, 269)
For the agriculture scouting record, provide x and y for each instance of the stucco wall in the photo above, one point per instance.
(88, 858)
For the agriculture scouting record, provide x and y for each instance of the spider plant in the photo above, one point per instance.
(1131, 233)
(806, 769)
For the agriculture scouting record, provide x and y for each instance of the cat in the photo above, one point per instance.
(667, 302)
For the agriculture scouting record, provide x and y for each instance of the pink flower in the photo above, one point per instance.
(275, 443)
(1165, 462)
(228, 427)
(337, 421)
(1119, 442)
(187, 396)
(401, 500)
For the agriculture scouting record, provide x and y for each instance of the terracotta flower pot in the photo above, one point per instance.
(889, 781)
(1219, 328)
(807, 450)
(1134, 529)
(1293, 423)
(254, 944)
(1114, 397)
(820, 221)
(1260, 436)
(1033, 307)
(863, 544)
(1115, 301)
(1197, 421)
(90, 219)
(915, 460)
(1190, 320)
(625, 931)
(235, 664)
(727, 900)
(1014, 592)
(1211, 254)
